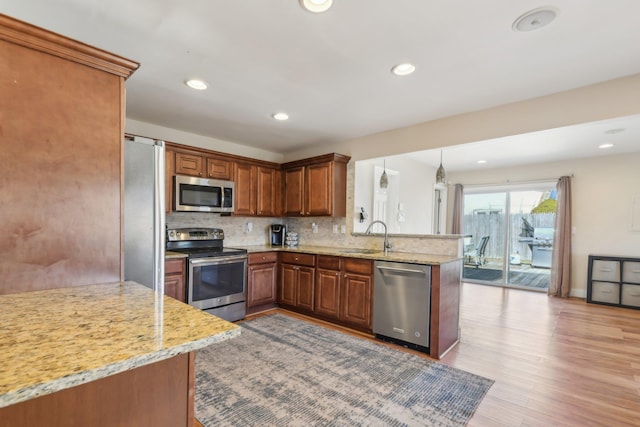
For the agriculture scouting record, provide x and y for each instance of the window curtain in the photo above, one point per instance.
(456, 222)
(560, 285)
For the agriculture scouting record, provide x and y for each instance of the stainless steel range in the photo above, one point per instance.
(216, 275)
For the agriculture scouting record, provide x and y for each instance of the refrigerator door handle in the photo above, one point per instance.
(159, 212)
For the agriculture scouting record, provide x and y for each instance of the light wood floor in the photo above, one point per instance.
(555, 362)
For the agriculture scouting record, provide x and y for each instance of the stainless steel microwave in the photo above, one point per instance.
(192, 194)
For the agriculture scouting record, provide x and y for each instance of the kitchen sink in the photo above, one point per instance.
(360, 251)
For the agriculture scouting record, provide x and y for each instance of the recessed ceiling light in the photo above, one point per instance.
(316, 6)
(280, 116)
(535, 19)
(403, 69)
(607, 145)
(481, 162)
(196, 84)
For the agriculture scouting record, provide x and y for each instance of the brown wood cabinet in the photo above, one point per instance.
(344, 288)
(316, 186)
(174, 278)
(257, 190)
(194, 164)
(297, 281)
(262, 275)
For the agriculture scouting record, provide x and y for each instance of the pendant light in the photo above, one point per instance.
(440, 173)
(384, 180)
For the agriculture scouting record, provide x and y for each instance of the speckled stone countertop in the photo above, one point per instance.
(416, 258)
(56, 339)
(171, 254)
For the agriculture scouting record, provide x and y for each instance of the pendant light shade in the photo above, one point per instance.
(441, 175)
(384, 180)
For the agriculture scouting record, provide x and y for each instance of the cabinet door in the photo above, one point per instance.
(219, 168)
(287, 287)
(306, 281)
(189, 164)
(245, 189)
(327, 300)
(174, 279)
(294, 192)
(266, 191)
(319, 189)
(261, 286)
(174, 286)
(356, 299)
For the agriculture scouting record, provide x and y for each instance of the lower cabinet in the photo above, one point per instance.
(297, 281)
(262, 274)
(344, 288)
(614, 281)
(174, 278)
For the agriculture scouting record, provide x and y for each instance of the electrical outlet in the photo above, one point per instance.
(249, 227)
(314, 228)
(343, 229)
(335, 228)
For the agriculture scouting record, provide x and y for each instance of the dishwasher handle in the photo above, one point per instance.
(401, 270)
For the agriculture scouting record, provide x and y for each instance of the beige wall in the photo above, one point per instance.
(615, 98)
(602, 188)
(179, 137)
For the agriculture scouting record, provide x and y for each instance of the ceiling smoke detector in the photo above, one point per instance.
(316, 6)
(535, 19)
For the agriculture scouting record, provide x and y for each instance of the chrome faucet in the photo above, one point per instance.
(387, 245)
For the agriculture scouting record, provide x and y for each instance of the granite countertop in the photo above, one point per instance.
(56, 339)
(416, 258)
(171, 254)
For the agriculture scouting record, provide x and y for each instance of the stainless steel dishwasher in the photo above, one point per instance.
(402, 303)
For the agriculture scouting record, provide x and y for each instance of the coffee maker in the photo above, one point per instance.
(277, 233)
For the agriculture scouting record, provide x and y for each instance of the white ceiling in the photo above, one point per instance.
(331, 72)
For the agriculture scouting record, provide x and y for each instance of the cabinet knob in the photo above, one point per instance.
(264, 257)
(337, 273)
(200, 174)
(301, 212)
(346, 275)
(308, 213)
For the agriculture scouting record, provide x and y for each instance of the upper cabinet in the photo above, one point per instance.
(203, 166)
(316, 186)
(257, 190)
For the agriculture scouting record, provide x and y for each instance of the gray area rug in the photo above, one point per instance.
(283, 371)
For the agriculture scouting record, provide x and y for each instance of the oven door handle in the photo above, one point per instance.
(216, 260)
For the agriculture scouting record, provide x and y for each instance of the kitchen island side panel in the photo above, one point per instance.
(445, 307)
(160, 394)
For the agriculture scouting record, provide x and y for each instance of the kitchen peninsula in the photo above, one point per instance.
(103, 354)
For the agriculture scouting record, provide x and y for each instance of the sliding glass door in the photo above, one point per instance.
(518, 221)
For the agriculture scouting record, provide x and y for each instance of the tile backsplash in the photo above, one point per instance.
(238, 232)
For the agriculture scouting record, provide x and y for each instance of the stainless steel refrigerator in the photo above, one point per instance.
(144, 212)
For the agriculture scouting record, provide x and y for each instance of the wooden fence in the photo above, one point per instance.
(492, 225)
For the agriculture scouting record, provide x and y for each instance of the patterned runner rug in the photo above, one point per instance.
(282, 371)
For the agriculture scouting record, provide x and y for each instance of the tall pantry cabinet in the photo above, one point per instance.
(62, 122)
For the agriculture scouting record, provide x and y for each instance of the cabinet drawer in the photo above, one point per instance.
(299, 259)
(329, 262)
(631, 272)
(631, 295)
(606, 270)
(605, 292)
(173, 266)
(262, 257)
(361, 266)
